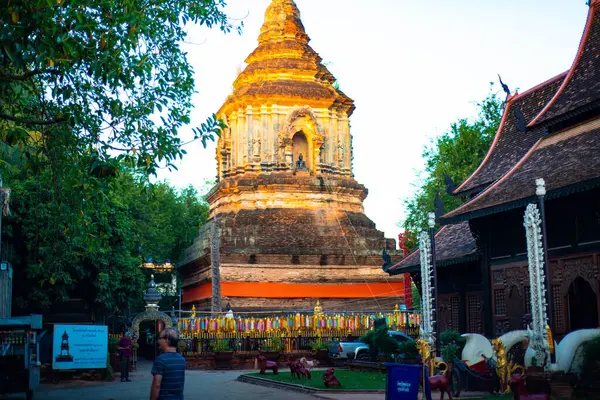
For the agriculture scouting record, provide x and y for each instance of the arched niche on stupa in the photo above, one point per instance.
(300, 146)
(301, 132)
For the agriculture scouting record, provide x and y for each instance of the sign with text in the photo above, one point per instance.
(80, 346)
(402, 381)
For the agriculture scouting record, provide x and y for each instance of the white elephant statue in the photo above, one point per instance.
(476, 346)
(566, 350)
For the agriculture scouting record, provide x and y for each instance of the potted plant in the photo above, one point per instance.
(321, 350)
(381, 345)
(272, 348)
(408, 353)
(223, 354)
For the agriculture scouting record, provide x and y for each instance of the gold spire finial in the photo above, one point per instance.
(193, 311)
(396, 308)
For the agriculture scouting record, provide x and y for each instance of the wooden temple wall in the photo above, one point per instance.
(575, 294)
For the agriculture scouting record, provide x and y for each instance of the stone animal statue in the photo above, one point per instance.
(330, 380)
(293, 369)
(297, 370)
(265, 365)
(308, 364)
(517, 384)
(504, 368)
(441, 382)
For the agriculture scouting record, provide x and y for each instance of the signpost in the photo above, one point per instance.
(80, 347)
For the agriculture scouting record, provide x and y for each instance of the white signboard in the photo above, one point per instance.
(80, 346)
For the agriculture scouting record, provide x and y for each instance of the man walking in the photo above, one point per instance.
(168, 369)
(124, 346)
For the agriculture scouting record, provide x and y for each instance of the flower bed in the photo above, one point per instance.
(242, 360)
(350, 380)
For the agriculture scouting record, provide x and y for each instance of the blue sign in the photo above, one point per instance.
(80, 346)
(402, 381)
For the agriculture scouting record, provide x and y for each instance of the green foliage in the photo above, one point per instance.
(92, 97)
(457, 153)
(272, 343)
(416, 297)
(316, 346)
(591, 354)
(358, 381)
(380, 340)
(81, 236)
(408, 350)
(221, 345)
(110, 74)
(452, 345)
(113, 344)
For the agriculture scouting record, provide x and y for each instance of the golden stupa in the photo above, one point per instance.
(292, 227)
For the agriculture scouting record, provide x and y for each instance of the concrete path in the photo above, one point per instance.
(198, 385)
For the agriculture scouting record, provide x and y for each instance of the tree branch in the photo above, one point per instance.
(29, 74)
(32, 121)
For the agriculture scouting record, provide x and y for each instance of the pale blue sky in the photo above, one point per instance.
(411, 66)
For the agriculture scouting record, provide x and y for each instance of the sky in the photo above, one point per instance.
(411, 66)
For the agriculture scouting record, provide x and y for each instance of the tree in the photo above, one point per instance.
(92, 95)
(104, 71)
(456, 153)
(87, 240)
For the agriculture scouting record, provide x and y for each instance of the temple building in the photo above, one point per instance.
(551, 131)
(291, 223)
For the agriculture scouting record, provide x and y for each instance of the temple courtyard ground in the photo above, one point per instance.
(198, 385)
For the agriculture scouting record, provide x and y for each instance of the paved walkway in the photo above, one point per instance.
(198, 385)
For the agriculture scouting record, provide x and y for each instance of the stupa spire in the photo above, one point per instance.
(282, 21)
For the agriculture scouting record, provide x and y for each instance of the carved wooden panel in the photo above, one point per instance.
(474, 313)
(500, 301)
(449, 313)
(558, 310)
(515, 308)
(571, 269)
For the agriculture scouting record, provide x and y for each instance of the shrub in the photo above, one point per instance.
(408, 350)
(591, 354)
(221, 345)
(113, 344)
(274, 343)
(316, 346)
(380, 341)
(451, 345)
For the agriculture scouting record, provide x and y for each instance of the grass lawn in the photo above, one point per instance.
(350, 380)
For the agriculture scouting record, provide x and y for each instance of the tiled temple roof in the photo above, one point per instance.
(284, 69)
(568, 161)
(510, 143)
(566, 157)
(581, 87)
(454, 243)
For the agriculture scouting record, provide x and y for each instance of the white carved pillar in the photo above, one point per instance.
(427, 333)
(538, 334)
